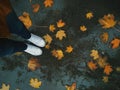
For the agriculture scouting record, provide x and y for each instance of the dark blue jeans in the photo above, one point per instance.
(8, 46)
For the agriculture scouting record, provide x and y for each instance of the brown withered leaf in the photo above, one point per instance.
(104, 37)
(92, 65)
(36, 7)
(33, 64)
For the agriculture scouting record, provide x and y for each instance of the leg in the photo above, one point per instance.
(16, 26)
(8, 46)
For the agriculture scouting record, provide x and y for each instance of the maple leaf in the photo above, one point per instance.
(102, 61)
(48, 3)
(83, 28)
(108, 69)
(89, 15)
(107, 21)
(60, 34)
(115, 43)
(58, 54)
(25, 18)
(36, 7)
(92, 65)
(94, 54)
(105, 79)
(48, 38)
(52, 28)
(60, 24)
(5, 87)
(104, 37)
(35, 83)
(47, 46)
(71, 87)
(33, 64)
(69, 49)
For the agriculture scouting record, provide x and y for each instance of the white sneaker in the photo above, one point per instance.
(33, 50)
(37, 40)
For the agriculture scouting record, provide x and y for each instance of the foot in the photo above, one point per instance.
(37, 40)
(33, 50)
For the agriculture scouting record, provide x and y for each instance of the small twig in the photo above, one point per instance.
(37, 26)
(116, 29)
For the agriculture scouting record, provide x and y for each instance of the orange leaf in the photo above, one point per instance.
(36, 7)
(107, 21)
(58, 54)
(48, 38)
(25, 18)
(60, 34)
(115, 43)
(60, 23)
(52, 28)
(48, 3)
(47, 46)
(92, 65)
(108, 69)
(104, 37)
(69, 49)
(33, 64)
(71, 87)
(83, 28)
(89, 15)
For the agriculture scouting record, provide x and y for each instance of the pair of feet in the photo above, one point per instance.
(38, 41)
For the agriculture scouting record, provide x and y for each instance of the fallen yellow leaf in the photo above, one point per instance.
(71, 87)
(83, 28)
(60, 34)
(58, 54)
(5, 87)
(52, 28)
(35, 83)
(69, 49)
(94, 54)
(48, 39)
(89, 15)
(60, 24)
